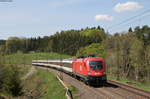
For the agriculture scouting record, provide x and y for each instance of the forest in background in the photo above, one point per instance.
(67, 42)
(127, 54)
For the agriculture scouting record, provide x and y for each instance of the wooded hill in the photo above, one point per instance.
(67, 42)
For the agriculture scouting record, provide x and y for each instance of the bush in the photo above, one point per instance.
(10, 80)
(93, 49)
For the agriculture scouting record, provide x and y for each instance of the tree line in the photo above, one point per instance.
(128, 54)
(66, 42)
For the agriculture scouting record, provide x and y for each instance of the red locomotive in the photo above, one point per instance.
(91, 70)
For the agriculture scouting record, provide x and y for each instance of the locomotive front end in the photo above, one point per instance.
(96, 71)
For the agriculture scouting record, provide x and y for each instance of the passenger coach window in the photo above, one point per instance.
(96, 65)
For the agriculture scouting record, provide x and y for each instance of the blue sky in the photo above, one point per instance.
(32, 18)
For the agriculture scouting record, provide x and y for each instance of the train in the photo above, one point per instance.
(90, 70)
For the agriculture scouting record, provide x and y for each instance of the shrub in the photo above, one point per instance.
(93, 49)
(10, 80)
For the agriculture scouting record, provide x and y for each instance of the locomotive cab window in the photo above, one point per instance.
(95, 65)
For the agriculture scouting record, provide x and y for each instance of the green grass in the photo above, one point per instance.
(54, 89)
(43, 85)
(74, 91)
(132, 83)
(20, 58)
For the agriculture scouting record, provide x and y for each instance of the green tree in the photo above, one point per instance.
(15, 82)
(130, 30)
(147, 62)
(10, 80)
(13, 44)
(137, 56)
(143, 34)
(93, 49)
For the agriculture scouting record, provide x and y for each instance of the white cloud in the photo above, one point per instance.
(127, 6)
(103, 17)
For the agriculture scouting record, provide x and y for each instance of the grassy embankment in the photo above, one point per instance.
(45, 85)
(55, 89)
(42, 84)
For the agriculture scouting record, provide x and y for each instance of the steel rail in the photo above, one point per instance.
(132, 89)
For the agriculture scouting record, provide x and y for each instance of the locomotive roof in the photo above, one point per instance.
(88, 58)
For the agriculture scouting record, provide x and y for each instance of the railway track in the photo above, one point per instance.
(127, 88)
(111, 91)
(116, 90)
(121, 93)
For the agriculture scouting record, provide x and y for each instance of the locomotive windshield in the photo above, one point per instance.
(96, 65)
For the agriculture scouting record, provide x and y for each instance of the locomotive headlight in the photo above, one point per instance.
(89, 73)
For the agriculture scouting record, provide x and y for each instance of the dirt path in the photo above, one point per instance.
(30, 72)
